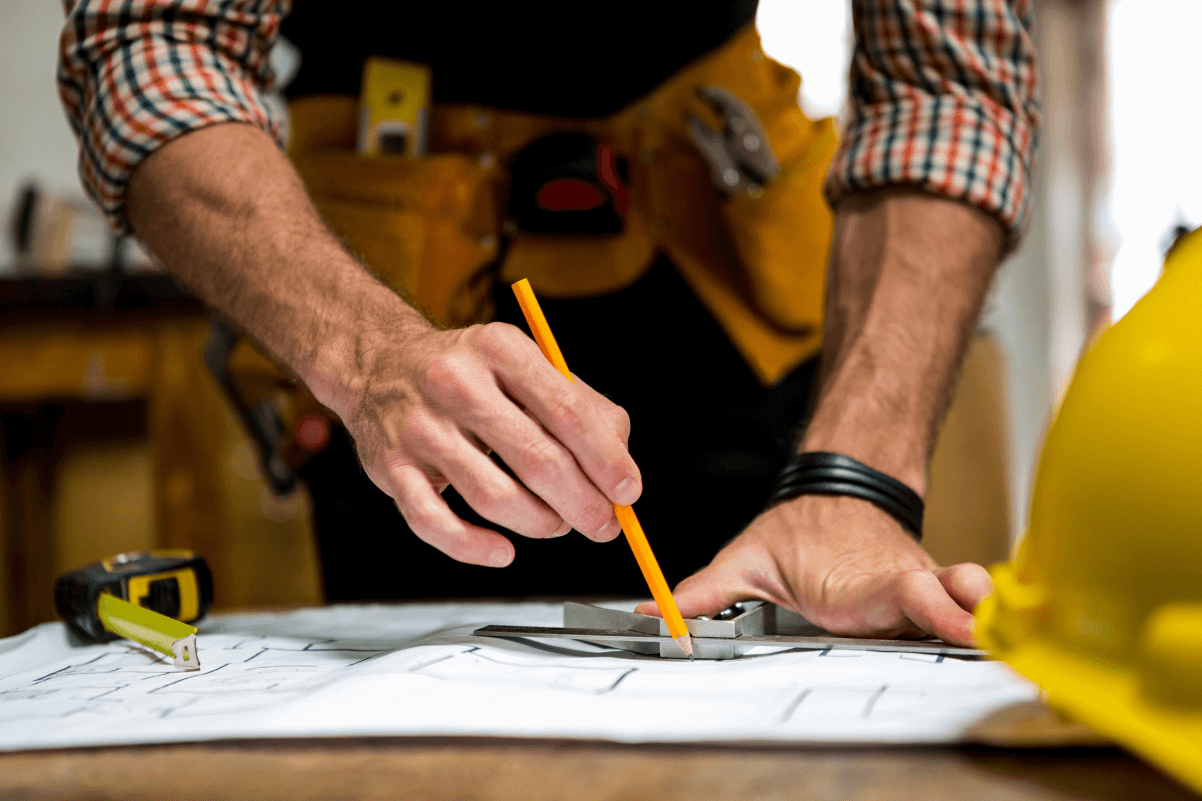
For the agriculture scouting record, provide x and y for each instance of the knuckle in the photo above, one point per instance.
(970, 576)
(567, 412)
(540, 526)
(593, 516)
(416, 431)
(449, 375)
(391, 465)
(424, 522)
(960, 571)
(971, 570)
(554, 524)
(496, 339)
(541, 459)
(491, 499)
(420, 517)
(619, 418)
(456, 545)
(913, 583)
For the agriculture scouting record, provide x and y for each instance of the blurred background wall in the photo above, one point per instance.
(35, 141)
(1118, 169)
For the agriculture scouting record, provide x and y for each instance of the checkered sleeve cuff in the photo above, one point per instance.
(944, 101)
(134, 75)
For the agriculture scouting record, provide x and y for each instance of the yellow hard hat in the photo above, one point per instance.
(1102, 605)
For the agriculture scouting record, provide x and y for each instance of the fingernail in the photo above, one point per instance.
(627, 492)
(611, 531)
(500, 557)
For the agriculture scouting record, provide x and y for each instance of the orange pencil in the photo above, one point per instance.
(625, 514)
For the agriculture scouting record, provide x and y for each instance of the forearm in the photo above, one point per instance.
(908, 274)
(931, 181)
(227, 215)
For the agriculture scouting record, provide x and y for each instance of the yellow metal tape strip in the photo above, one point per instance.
(150, 629)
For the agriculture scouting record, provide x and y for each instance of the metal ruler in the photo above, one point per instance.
(728, 635)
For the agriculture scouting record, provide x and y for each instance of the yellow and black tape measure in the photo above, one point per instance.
(150, 597)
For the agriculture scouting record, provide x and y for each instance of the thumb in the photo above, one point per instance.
(706, 592)
(967, 583)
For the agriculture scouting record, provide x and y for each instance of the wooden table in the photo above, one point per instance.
(524, 770)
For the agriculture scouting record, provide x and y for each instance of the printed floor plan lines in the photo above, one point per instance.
(417, 670)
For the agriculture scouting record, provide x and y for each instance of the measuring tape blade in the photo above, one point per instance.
(157, 632)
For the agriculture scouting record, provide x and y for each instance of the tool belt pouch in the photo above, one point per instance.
(781, 238)
(426, 226)
(429, 226)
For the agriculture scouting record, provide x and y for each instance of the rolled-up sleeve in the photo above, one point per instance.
(135, 74)
(944, 97)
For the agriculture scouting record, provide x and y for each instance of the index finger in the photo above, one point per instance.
(924, 600)
(564, 410)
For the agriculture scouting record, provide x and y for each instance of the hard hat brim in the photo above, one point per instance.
(1104, 696)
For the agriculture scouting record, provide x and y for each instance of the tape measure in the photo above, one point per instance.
(150, 597)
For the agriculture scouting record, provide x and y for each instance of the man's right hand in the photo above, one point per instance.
(226, 214)
(433, 408)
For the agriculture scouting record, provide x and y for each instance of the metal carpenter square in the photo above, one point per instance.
(617, 636)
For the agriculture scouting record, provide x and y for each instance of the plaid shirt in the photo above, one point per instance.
(944, 97)
(943, 92)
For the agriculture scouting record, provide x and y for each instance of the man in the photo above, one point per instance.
(929, 189)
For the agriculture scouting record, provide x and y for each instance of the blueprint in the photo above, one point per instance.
(414, 669)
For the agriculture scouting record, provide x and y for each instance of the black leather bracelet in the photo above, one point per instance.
(822, 473)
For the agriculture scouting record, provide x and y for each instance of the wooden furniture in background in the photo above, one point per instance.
(115, 438)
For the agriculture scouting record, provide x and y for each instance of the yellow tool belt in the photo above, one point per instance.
(430, 227)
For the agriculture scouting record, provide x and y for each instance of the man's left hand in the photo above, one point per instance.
(908, 276)
(844, 565)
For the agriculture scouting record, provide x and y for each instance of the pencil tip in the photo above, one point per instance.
(685, 641)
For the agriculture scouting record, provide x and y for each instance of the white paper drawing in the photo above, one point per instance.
(416, 670)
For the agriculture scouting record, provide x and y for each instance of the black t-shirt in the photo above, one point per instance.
(568, 59)
(708, 437)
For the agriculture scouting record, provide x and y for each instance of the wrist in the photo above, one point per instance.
(826, 473)
(907, 277)
(878, 455)
(357, 338)
(862, 421)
